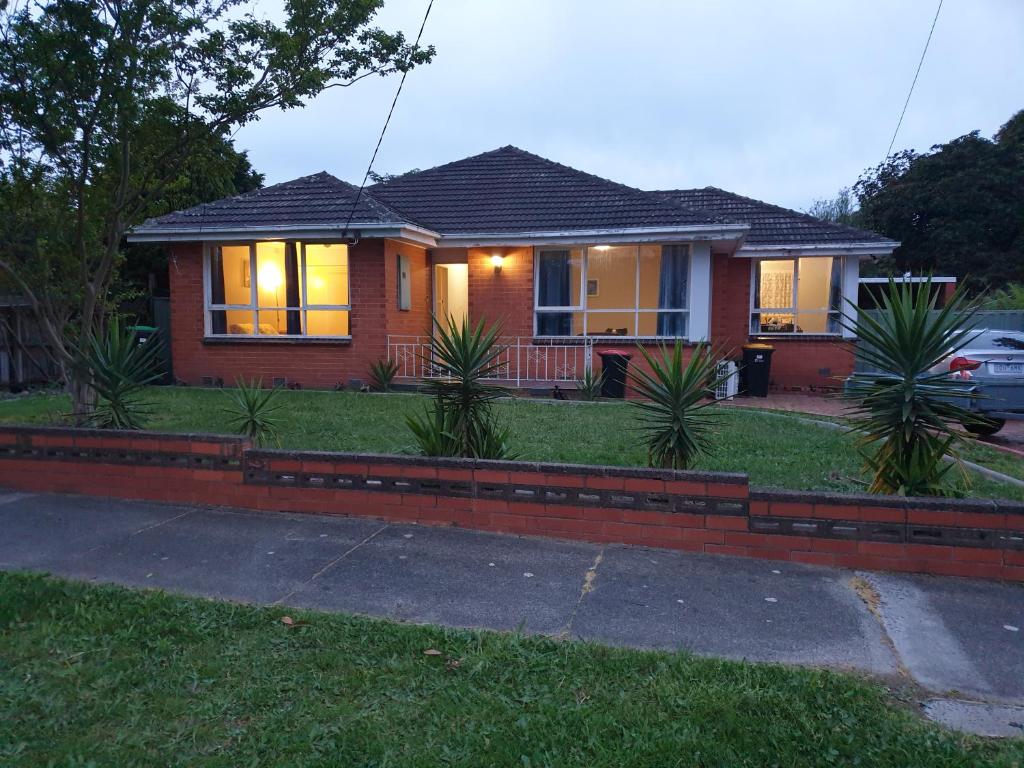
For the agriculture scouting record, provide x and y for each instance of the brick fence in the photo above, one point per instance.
(714, 513)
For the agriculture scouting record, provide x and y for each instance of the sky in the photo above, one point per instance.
(782, 100)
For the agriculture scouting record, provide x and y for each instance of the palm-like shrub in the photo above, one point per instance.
(905, 415)
(461, 421)
(676, 393)
(119, 369)
(251, 411)
(382, 374)
(589, 385)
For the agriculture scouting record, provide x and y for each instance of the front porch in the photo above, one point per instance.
(523, 362)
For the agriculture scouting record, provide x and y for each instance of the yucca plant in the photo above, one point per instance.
(589, 385)
(906, 416)
(675, 392)
(461, 420)
(251, 411)
(382, 374)
(119, 369)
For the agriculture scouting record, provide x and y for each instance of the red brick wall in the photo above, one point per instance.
(711, 513)
(798, 363)
(374, 314)
(505, 296)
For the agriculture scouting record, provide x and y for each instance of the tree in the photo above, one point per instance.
(956, 210)
(840, 209)
(213, 171)
(105, 102)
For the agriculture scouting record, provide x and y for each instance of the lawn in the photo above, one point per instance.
(775, 449)
(107, 676)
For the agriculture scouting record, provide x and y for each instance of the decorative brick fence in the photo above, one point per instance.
(714, 513)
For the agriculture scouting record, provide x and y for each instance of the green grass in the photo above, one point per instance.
(107, 676)
(775, 449)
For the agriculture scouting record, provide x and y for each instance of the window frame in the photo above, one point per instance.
(586, 312)
(794, 308)
(253, 306)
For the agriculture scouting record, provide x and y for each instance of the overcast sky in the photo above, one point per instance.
(782, 100)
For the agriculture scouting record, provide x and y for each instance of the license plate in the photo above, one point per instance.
(1017, 368)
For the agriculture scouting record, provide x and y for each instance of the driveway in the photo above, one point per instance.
(941, 634)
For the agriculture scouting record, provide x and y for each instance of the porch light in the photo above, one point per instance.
(497, 261)
(602, 247)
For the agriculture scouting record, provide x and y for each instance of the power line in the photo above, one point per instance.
(911, 92)
(391, 111)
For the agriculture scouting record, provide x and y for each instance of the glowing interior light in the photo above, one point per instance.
(269, 277)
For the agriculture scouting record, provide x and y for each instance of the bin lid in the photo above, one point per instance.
(620, 352)
(758, 346)
(145, 328)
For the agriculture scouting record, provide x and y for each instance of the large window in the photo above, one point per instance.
(622, 290)
(279, 289)
(797, 296)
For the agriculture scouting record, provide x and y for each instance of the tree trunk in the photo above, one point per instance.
(83, 398)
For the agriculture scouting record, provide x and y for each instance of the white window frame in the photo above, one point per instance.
(582, 306)
(253, 305)
(794, 308)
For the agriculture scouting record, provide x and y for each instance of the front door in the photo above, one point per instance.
(451, 292)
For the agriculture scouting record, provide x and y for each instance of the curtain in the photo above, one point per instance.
(672, 289)
(835, 299)
(291, 289)
(218, 318)
(554, 290)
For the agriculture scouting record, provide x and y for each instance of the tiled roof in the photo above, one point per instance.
(317, 200)
(770, 224)
(509, 190)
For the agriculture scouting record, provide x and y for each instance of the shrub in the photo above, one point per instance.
(589, 385)
(119, 369)
(461, 421)
(672, 420)
(251, 411)
(1009, 297)
(382, 374)
(906, 415)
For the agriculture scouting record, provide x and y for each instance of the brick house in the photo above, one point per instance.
(309, 281)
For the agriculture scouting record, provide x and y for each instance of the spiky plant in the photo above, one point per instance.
(904, 415)
(462, 417)
(251, 411)
(120, 368)
(589, 385)
(382, 374)
(675, 392)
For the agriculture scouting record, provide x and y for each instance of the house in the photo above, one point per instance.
(310, 281)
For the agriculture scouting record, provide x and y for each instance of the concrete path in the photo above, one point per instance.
(946, 635)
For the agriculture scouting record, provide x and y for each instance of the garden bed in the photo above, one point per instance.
(774, 449)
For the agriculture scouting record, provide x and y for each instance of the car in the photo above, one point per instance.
(992, 366)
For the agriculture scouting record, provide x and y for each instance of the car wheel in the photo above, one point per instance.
(986, 427)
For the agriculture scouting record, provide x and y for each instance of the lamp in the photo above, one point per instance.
(497, 261)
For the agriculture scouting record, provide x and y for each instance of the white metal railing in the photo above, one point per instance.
(520, 359)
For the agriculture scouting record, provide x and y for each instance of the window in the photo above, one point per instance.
(279, 289)
(797, 296)
(620, 290)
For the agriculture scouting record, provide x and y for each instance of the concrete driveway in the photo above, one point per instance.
(942, 634)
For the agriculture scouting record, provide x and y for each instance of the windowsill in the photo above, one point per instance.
(286, 340)
(797, 336)
(583, 340)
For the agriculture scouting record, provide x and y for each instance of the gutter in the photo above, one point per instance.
(410, 232)
(698, 232)
(850, 248)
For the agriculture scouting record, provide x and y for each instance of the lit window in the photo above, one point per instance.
(797, 296)
(621, 290)
(279, 289)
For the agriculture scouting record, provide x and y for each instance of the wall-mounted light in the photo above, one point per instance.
(497, 261)
(602, 247)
